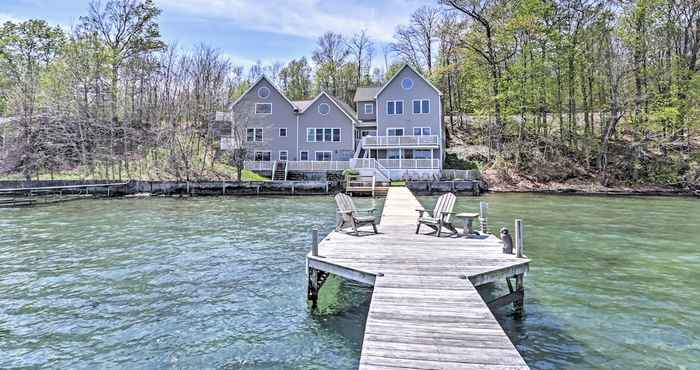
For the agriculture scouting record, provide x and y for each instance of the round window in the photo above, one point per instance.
(407, 84)
(263, 92)
(324, 108)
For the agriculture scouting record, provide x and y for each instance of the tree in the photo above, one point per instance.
(362, 50)
(295, 79)
(330, 55)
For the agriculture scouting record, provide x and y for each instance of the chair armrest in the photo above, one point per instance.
(343, 212)
(369, 210)
(444, 214)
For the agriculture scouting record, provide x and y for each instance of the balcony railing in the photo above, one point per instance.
(401, 141)
(299, 165)
(409, 163)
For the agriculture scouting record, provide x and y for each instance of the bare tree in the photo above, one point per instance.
(362, 49)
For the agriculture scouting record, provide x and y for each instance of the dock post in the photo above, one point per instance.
(519, 303)
(483, 217)
(313, 285)
(519, 231)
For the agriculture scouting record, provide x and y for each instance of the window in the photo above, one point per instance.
(254, 134)
(364, 133)
(323, 156)
(283, 155)
(394, 107)
(407, 84)
(263, 108)
(421, 131)
(421, 106)
(322, 134)
(393, 154)
(421, 154)
(324, 109)
(369, 108)
(262, 156)
(283, 132)
(304, 155)
(263, 92)
(394, 132)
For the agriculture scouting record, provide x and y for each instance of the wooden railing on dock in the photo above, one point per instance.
(425, 312)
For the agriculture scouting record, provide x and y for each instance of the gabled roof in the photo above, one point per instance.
(350, 114)
(302, 104)
(399, 72)
(365, 94)
(344, 106)
(263, 77)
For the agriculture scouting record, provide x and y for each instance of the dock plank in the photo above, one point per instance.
(425, 311)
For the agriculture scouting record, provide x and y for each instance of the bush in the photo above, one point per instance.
(453, 162)
(351, 172)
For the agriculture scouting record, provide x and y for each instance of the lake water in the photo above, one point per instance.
(219, 283)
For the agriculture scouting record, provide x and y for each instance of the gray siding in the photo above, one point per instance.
(361, 111)
(282, 116)
(408, 120)
(311, 118)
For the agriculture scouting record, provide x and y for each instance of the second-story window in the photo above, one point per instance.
(283, 132)
(369, 108)
(322, 134)
(421, 106)
(394, 132)
(254, 134)
(421, 131)
(263, 108)
(394, 107)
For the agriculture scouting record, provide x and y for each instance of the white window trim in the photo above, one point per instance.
(268, 92)
(319, 109)
(255, 129)
(430, 131)
(371, 108)
(323, 151)
(307, 155)
(323, 129)
(286, 132)
(395, 128)
(255, 154)
(403, 107)
(421, 106)
(279, 155)
(266, 114)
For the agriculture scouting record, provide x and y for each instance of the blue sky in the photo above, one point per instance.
(246, 30)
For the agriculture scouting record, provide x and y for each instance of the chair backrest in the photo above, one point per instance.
(444, 204)
(345, 203)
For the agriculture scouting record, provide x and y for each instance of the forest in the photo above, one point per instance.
(536, 91)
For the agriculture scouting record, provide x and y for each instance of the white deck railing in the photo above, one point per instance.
(409, 163)
(400, 141)
(299, 165)
(370, 163)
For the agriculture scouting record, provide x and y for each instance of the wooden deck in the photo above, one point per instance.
(425, 312)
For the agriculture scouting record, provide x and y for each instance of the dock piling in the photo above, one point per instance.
(519, 231)
(483, 217)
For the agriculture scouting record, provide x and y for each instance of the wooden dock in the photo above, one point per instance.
(425, 312)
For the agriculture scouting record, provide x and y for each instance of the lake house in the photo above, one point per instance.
(393, 131)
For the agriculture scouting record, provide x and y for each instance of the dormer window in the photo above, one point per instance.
(324, 109)
(407, 84)
(369, 108)
(263, 92)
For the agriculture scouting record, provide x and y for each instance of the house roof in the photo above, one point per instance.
(399, 72)
(302, 104)
(338, 103)
(365, 93)
(344, 106)
(253, 86)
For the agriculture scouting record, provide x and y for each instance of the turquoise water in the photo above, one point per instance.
(219, 283)
(613, 282)
(172, 283)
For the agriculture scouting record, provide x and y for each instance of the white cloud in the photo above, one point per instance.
(8, 18)
(305, 18)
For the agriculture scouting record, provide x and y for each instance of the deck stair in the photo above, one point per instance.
(366, 185)
(279, 171)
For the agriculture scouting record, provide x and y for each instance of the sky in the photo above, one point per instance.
(246, 30)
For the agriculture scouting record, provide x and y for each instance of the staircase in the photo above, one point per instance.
(370, 167)
(279, 171)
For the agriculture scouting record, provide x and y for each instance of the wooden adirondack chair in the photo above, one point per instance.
(439, 216)
(350, 215)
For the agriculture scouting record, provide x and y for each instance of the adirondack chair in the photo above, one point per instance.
(438, 217)
(350, 215)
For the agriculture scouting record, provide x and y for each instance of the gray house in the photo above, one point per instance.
(395, 131)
